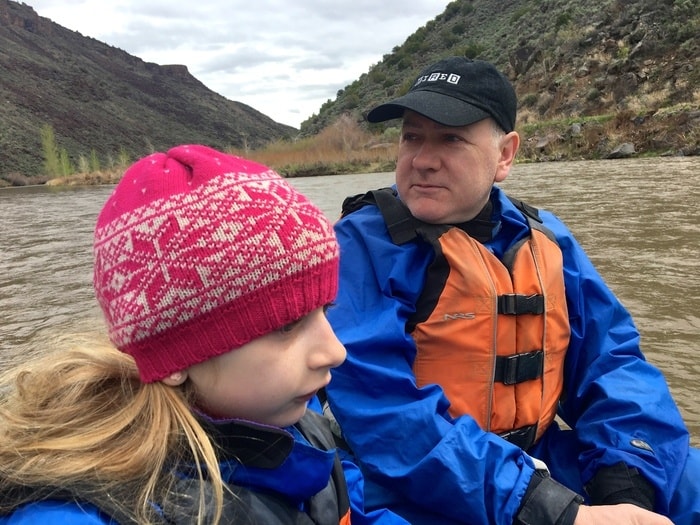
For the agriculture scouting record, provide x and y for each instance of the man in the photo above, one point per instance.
(471, 320)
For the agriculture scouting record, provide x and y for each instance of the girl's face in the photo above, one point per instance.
(271, 379)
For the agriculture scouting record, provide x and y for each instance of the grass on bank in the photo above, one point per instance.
(343, 147)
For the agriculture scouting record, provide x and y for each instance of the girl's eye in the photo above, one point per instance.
(289, 327)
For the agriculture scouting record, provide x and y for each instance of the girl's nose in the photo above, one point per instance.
(330, 351)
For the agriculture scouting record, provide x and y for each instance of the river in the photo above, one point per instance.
(637, 219)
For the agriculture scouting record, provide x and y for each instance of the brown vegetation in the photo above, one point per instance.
(347, 147)
(344, 147)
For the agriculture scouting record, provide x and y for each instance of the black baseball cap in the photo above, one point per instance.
(456, 91)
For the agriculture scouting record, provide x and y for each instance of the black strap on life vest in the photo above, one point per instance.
(523, 437)
(528, 211)
(518, 304)
(403, 227)
(517, 368)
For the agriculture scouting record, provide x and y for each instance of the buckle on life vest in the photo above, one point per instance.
(521, 437)
(517, 304)
(517, 368)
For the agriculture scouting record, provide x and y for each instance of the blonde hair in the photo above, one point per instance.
(80, 419)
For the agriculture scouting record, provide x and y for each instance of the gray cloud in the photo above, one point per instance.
(283, 58)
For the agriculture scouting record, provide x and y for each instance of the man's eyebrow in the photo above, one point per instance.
(412, 122)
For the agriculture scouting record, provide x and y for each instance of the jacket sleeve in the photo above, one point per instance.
(618, 403)
(403, 435)
(359, 514)
(58, 512)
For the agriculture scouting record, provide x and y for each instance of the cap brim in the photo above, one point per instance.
(443, 109)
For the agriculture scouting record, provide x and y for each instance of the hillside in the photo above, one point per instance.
(634, 65)
(594, 79)
(101, 101)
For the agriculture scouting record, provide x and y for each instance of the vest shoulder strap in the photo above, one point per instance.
(402, 226)
(529, 211)
(532, 215)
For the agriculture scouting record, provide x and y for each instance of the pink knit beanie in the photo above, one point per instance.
(198, 252)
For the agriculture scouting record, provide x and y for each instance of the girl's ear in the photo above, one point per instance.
(175, 379)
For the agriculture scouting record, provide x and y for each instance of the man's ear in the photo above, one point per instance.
(509, 145)
(175, 379)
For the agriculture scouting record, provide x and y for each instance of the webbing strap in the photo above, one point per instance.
(517, 368)
(399, 221)
(518, 304)
(521, 437)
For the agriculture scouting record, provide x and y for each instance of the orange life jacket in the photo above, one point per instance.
(493, 334)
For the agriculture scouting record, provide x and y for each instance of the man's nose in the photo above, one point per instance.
(426, 157)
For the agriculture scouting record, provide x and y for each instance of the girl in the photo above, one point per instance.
(213, 274)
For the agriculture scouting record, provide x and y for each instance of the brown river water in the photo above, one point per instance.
(637, 219)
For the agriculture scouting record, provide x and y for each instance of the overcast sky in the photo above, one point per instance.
(282, 57)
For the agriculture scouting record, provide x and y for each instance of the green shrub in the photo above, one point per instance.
(563, 19)
(518, 14)
(473, 49)
(466, 8)
(529, 100)
(459, 28)
(52, 162)
(592, 94)
(66, 167)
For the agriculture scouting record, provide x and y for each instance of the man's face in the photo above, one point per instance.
(445, 174)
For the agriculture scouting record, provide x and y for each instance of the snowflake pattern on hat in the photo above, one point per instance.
(235, 256)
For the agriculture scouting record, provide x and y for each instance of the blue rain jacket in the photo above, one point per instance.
(305, 471)
(433, 468)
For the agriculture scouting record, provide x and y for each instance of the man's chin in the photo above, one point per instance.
(432, 212)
